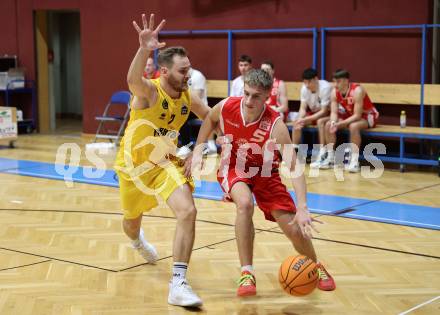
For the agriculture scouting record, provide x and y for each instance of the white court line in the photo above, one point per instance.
(319, 210)
(379, 218)
(391, 220)
(420, 305)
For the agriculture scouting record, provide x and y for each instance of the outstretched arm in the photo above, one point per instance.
(148, 41)
(281, 136)
(209, 124)
(199, 108)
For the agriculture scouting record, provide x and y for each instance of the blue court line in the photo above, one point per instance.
(364, 209)
(10, 164)
(47, 170)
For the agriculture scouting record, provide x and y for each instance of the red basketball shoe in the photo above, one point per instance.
(325, 281)
(246, 284)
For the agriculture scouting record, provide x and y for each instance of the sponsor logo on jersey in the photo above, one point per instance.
(265, 123)
(165, 104)
(160, 132)
(341, 109)
(184, 109)
(232, 123)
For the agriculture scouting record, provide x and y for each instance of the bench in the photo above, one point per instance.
(390, 131)
(380, 93)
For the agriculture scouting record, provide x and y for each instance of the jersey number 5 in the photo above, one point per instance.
(258, 135)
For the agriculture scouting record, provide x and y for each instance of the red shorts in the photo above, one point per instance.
(313, 122)
(371, 117)
(270, 193)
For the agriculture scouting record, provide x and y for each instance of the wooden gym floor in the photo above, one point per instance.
(62, 250)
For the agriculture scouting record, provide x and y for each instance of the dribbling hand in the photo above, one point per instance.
(305, 222)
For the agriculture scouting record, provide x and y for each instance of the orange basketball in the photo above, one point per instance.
(298, 275)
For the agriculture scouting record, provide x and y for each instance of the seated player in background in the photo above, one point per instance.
(244, 65)
(350, 108)
(278, 95)
(197, 85)
(314, 109)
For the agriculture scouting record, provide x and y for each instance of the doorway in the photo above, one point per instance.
(63, 82)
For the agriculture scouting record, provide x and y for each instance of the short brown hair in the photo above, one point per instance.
(309, 74)
(269, 63)
(245, 58)
(341, 74)
(165, 56)
(258, 78)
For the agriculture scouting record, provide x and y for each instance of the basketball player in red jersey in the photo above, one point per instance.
(249, 166)
(278, 95)
(350, 108)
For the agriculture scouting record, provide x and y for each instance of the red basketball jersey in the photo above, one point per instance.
(347, 103)
(249, 139)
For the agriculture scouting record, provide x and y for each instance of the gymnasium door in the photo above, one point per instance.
(63, 68)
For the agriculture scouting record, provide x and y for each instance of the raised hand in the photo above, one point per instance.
(148, 36)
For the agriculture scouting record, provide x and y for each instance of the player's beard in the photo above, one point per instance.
(177, 85)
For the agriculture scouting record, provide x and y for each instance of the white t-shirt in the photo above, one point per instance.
(197, 81)
(237, 87)
(321, 98)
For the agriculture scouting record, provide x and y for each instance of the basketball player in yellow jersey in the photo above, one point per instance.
(146, 162)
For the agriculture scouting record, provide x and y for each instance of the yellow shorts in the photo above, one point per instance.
(139, 194)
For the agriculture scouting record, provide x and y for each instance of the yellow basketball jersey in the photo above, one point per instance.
(151, 130)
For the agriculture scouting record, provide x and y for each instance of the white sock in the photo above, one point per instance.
(354, 158)
(179, 271)
(331, 154)
(248, 268)
(137, 242)
(211, 144)
(322, 151)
